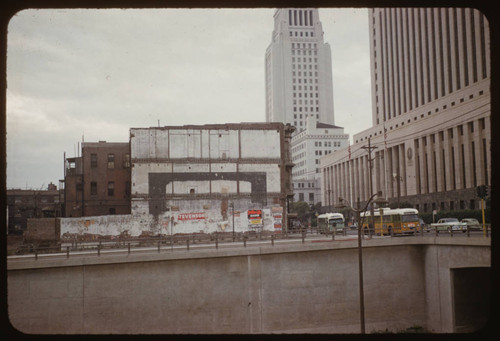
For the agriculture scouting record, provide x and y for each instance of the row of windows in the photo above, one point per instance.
(327, 144)
(110, 188)
(317, 144)
(304, 60)
(299, 87)
(299, 73)
(306, 102)
(305, 81)
(305, 109)
(298, 45)
(300, 17)
(303, 185)
(305, 115)
(320, 153)
(301, 34)
(305, 53)
(35, 198)
(110, 160)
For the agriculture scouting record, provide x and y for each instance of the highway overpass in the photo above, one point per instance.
(440, 284)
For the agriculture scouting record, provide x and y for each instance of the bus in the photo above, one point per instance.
(327, 222)
(393, 221)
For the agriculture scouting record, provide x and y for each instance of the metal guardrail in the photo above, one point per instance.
(188, 241)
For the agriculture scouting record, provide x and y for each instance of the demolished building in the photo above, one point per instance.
(215, 177)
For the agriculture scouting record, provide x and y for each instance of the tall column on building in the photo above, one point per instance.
(298, 70)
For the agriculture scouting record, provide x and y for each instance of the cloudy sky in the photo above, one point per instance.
(93, 74)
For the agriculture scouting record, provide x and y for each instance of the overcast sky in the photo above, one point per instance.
(97, 73)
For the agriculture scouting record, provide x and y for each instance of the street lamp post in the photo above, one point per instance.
(344, 204)
(232, 209)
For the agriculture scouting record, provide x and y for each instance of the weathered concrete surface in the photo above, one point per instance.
(196, 220)
(299, 288)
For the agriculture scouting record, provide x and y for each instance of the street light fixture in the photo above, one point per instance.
(345, 204)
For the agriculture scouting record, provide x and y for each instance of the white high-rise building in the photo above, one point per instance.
(298, 70)
(299, 91)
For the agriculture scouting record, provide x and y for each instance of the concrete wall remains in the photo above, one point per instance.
(196, 178)
(204, 217)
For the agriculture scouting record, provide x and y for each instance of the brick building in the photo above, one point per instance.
(98, 182)
(23, 204)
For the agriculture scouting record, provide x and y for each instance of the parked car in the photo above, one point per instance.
(472, 224)
(448, 224)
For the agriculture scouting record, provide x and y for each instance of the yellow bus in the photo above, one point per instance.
(395, 221)
(327, 222)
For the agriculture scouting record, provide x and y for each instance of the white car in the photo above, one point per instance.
(472, 224)
(449, 224)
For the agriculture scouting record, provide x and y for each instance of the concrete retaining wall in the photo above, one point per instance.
(303, 288)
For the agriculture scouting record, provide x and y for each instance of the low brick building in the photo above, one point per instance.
(23, 204)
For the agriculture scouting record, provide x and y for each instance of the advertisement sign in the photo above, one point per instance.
(277, 218)
(191, 216)
(255, 218)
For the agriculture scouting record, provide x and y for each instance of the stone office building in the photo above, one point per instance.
(215, 177)
(430, 140)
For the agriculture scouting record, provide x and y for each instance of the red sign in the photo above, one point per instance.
(255, 217)
(191, 216)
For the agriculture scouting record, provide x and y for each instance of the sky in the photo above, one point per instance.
(78, 75)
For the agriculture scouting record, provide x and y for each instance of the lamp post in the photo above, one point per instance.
(232, 209)
(343, 204)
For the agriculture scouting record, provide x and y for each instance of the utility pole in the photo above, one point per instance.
(369, 149)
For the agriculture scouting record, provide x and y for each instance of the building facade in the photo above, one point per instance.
(24, 204)
(308, 146)
(431, 138)
(298, 69)
(299, 90)
(97, 183)
(206, 178)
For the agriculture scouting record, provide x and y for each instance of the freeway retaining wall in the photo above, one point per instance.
(296, 288)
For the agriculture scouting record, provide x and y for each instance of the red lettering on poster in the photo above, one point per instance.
(191, 216)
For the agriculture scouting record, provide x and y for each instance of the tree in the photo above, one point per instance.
(302, 209)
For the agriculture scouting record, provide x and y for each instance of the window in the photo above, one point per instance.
(126, 160)
(93, 160)
(111, 161)
(111, 188)
(93, 188)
